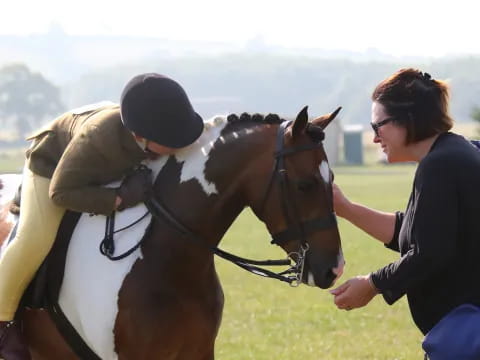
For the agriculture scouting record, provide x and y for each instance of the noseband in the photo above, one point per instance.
(296, 229)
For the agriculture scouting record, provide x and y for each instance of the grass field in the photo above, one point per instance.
(11, 160)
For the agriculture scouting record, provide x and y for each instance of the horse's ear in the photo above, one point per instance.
(324, 120)
(300, 122)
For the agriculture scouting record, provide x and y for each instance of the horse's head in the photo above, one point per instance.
(297, 202)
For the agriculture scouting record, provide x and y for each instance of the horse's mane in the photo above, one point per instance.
(236, 125)
(255, 118)
(315, 132)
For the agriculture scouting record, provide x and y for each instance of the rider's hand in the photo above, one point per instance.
(135, 188)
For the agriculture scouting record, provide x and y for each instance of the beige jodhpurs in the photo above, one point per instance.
(37, 228)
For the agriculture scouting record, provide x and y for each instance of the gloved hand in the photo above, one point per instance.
(135, 188)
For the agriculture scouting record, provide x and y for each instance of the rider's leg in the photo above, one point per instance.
(37, 228)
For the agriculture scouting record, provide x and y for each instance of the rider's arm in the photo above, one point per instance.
(100, 153)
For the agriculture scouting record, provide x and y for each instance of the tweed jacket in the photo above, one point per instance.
(80, 151)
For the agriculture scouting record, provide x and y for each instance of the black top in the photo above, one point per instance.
(438, 236)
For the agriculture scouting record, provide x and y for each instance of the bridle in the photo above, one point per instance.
(296, 228)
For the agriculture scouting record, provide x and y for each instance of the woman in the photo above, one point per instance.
(68, 164)
(438, 234)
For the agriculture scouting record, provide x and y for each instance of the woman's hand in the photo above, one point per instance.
(340, 202)
(354, 293)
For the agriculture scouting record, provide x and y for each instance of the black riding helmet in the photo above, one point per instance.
(157, 108)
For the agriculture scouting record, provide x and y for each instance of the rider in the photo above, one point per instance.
(67, 165)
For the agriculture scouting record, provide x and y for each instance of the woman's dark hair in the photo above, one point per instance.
(417, 102)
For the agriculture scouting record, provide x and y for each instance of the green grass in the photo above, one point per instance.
(266, 319)
(11, 160)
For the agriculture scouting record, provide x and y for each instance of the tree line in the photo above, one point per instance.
(234, 83)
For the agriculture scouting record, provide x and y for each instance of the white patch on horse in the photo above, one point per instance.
(195, 156)
(91, 284)
(325, 171)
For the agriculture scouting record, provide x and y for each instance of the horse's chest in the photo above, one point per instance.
(179, 325)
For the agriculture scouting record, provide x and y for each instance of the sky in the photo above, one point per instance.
(399, 28)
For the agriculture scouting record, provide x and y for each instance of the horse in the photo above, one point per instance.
(164, 300)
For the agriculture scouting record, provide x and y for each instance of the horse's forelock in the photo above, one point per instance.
(315, 132)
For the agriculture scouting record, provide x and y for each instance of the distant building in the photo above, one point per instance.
(353, 144)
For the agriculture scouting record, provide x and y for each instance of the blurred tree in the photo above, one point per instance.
(26, 99)
(476, 113)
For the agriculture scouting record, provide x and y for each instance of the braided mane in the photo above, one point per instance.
(257, 118)
(315, 132)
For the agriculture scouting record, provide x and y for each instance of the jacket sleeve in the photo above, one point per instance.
(78, 178)
(393, 244)
(432, 233)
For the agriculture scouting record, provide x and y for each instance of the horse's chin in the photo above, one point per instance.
(324, 283)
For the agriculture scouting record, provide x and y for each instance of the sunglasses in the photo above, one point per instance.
(376, 126)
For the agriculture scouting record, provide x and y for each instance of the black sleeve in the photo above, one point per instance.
(393, 244)
(432, 233)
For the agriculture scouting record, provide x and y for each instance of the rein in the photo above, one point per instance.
(159, 212)
(296, 229)
(107, 245)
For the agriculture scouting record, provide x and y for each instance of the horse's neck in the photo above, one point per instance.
(238, 167)
(244, 167)
(219, 172)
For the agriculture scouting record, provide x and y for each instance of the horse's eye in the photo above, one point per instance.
(306, 185)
